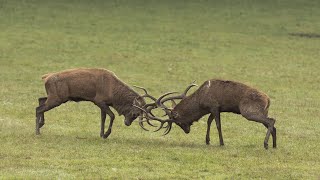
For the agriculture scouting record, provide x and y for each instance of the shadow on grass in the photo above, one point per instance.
(305, 35)
(119, 140)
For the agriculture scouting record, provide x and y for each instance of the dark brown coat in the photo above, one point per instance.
(100, 86)
(216, 96)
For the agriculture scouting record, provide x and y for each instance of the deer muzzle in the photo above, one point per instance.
(127, 122)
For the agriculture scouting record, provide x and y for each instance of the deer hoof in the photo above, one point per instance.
(40, 125)
(106, 134)
(266, 145)
(208, 142)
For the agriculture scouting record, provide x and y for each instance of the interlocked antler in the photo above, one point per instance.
(160, 103)
(148, 107)
(149, 116)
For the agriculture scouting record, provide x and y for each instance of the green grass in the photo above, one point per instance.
(163, 46)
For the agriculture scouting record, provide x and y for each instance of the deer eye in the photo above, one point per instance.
(135, 116)
(175, 115)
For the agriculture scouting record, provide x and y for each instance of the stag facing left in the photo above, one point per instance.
(213, 97)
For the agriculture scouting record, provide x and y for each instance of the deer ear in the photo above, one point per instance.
(173, 103)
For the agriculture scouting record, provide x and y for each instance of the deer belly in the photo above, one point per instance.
(234, 109)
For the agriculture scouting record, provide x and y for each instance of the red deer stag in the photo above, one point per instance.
(100, 86)
(213, 97)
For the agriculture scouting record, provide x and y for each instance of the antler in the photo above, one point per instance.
(146, 93)
(146, 106)
(160, 102)
(149, 116)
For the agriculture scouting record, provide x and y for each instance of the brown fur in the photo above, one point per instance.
(215, 96)
(100, 86)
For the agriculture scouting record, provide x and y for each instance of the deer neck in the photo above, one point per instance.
(123, 99)
(190, 108)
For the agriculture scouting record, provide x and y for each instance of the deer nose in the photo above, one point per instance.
(187, 130)
(127, 122)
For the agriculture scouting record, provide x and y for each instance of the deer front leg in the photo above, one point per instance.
(103, 120)
(210, 119)
(110, 113)
(218, 124)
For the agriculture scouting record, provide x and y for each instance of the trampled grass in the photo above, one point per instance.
(163, 46)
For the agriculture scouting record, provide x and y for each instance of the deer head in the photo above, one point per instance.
(173, 115)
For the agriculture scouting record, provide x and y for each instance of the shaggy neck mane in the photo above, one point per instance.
(190, 106)
(123, 98)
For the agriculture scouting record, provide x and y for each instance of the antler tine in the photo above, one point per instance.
(169, 126)
(146, 93)
(141, 124)
(181, 96)
(148, 108)
(160, 103)
(147, 114)
(159, 127)
(147, 105)
(152, 105)
(189, 87)
(169, 121)
(141, 117)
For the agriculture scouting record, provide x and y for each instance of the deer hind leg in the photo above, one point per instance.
(215, 114)
(46, 106)
(274, 135)
(269, 122)
(42, 100)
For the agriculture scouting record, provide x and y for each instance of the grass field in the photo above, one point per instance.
(163, 46)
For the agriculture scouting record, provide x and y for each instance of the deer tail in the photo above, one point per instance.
(44, 77)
